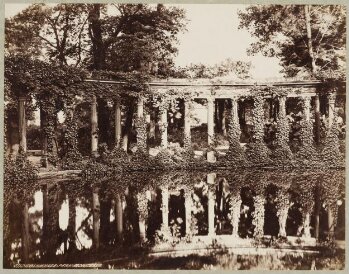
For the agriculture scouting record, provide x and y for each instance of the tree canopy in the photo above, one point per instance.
(309, 40)
(114, 37)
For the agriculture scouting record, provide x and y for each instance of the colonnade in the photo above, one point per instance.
(210, 118)
(163, 118)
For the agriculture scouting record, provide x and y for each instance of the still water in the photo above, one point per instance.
(72, 221)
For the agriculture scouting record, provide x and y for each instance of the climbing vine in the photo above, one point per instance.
(257, 151)
(282, 152)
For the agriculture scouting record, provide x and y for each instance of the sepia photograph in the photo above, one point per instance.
(174, 136)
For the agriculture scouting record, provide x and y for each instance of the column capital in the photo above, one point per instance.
(306, 99)
(210, 99)
(94, 99)
(332, 98)
(234, 97)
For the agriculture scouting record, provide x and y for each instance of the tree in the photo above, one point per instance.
(135, 39)
(53, 32)
(308, 39)
(135, 36)
(235, 69)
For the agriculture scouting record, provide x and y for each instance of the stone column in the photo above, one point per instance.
(187, 133)
(22, 124)
(234, 110)
(330, 222)
(119, 218)
(211, 201)
(163, 121)
(117, 123)
(210, 129)
(164, 208)
(306, 100)
(282, 106)
(331, 106)
(44, 142)
(188, 208)
(96, 217)
(94, 126)
(317, 119)
(141, 126)
(140, 107)
(210, 120)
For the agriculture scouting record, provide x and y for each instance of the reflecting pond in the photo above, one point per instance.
(176, 216)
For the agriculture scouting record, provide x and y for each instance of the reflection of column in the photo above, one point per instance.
(282, 207)
(117, 122)
(163, 120)
(94, 125)
(22, 124)
(143, 214)
(25, 233)
(211, 228)
(188, 208)
(211, 201)
(306, 110)
(258, 219)
(119, 218)
(306, 226)
(164, 208)
(187, 135)
(45, 217)
(96, 213)
(317, 213)
(235, 212)
(331, 105)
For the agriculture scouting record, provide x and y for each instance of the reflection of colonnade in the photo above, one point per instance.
(144, 197)
(129, 202)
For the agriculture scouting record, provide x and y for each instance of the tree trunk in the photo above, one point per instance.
(96, 36)
(309, 36)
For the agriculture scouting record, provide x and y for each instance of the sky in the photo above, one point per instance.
(212, 35)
